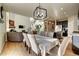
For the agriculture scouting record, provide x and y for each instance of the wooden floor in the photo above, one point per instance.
(18, 49)
(69, 51)
(14, 49)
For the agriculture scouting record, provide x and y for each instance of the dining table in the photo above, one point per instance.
(46, 43)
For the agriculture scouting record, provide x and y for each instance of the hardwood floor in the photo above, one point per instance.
(69, 51)
(14, 49)
(18, 49)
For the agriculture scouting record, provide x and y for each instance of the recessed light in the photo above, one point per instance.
(61, 8)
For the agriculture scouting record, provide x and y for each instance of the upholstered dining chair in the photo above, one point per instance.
(60, 50)
(50, 34)
(27, 42)
(34, 45)
(63, 46)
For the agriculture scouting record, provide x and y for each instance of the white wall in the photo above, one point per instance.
(19, 20)
(72, 24)
(2, 34)
(76, 23)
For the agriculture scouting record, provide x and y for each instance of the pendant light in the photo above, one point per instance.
(40, 13)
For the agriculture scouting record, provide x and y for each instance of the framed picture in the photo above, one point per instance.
(11, 24)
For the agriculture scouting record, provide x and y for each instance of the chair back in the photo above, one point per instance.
(26, 39)
(50, 34)
(33, 43)
(63, 46)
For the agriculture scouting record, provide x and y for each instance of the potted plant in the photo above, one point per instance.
(38, 27)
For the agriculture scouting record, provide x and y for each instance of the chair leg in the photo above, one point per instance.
(29, 49)
(39, 54)
(25, 44)
(31, 52)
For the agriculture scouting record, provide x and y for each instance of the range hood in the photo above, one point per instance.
(1, 14)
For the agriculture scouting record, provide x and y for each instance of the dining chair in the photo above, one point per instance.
(63, 46)
(60, 50)
(34, 45)
(27, 42)
(50, 34)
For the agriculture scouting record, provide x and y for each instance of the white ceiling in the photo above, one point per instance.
(54, 9)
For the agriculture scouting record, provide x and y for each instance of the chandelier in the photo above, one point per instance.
(40, 13)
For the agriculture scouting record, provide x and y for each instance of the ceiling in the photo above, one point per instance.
(55, 10)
